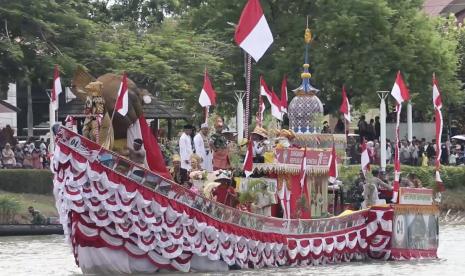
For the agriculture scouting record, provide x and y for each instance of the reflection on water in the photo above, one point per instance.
(49, 255)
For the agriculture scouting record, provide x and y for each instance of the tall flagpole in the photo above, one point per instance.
(240, 115)
(247, 95)
(382, 118)
(409, 122)
(52, 119)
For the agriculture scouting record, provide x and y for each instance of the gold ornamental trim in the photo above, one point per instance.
(415, 209)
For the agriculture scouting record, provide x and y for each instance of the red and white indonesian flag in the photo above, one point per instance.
(248, 161)
(252, 32)
(274, 101)
(208, 94)
(333, 166)
(56, 90)
(437, 99)
(284, 95)
(345, 105)
(122, 104)
(437, 103)
(365, 158)
(400, 93)
(399, 90)
(303, 167)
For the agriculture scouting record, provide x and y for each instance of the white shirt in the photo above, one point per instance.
(257, 148)
(200, 149)
(388, 153)
(185, 151)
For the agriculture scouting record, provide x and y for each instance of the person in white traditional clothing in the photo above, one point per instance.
(202, 147)
(185, 147)
(263, 201)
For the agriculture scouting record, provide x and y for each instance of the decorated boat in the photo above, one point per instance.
(122, 218)
(125, 215)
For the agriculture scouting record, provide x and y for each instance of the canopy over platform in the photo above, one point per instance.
(6, 107)
(157, 109)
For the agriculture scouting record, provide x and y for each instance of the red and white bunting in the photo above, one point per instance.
(333, 166)
(274, 101)
(252, 32)
(345, 105)
(56, 90)
(284, 95)
(365, 158)
(248, 161)
(400, 93)
(437, 103)
(208, 94)
(122, 104)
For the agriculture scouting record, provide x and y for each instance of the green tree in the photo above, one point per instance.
(364, 43)
(359, 43)
(138, 14)
(39, 34)
(168, 60)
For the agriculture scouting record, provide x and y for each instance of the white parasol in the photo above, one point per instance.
(459, 137)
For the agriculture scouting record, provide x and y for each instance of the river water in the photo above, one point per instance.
(49, 255)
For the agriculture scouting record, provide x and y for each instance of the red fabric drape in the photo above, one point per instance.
(296, 194)
(153, 153)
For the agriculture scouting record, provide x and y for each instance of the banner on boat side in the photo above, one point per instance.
(414, 231)
(295, 156)
(416, 196)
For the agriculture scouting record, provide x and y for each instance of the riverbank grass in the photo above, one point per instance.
(44, 203)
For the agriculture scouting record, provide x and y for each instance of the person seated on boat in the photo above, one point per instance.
(355, 193)
(224, 192)
(284, 139)
(325, 128)
(370, 192)
(178, 174)
(415, 180)
(8, 156)
(197, 175)
(37, 217)
(219, 145)
(137, 153)
(384, 189)
(260, 140)
(263, 201)
(406, 181)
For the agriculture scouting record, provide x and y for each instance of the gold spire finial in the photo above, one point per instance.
(308, 34)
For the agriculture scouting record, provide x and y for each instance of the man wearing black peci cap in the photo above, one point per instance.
(185, 147)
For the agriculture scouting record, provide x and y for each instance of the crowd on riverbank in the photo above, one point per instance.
(30, 154)
(418, 152)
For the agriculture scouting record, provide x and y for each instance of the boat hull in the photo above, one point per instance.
(116, 224)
